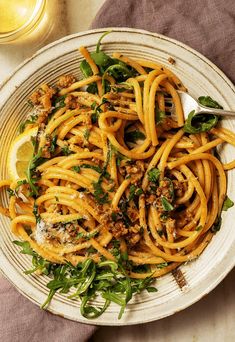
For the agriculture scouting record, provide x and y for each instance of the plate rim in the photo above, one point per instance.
(229, 265)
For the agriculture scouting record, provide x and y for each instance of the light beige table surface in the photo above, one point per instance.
(211, 319)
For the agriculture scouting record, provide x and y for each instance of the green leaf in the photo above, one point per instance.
(85, 69)
(10, 192)
(32, 119)
(100, 39)
(76, 168)
(92, 88)
(153, 175)
(35, 212)
(119, 71)
(25, 245)
(167, 206)
(53, 144)
(134, 192)
(217, 225)
(151, 289)
(100, 196)
(59, 102)
(101, 59)
(199, 123)
(207, 101)
(228, 203)
(134, 136)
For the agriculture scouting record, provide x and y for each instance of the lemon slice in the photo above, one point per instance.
(20, 154)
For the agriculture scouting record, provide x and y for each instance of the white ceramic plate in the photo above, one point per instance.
(201, 77)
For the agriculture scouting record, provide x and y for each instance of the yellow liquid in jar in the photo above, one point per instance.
(15, 13)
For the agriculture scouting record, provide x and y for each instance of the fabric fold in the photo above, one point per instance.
(208, 26)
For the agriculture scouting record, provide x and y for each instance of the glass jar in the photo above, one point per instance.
(19, 18)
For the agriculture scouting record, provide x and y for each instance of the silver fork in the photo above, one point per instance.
(189, 104)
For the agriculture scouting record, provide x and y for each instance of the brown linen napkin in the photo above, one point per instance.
(206, 25)
(23, 321)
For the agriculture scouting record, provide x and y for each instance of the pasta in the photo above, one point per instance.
(114, 175)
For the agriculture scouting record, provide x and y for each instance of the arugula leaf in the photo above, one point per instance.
(133, 136)
(25, 245)
(119, 71)
(167, 206)
(85, 69)
(32, 119)
(100, 39)
(92, 88)
(153, 175)
(87, 279)
(228, 203)
(200, 122)
(31, 174)
(207, 101)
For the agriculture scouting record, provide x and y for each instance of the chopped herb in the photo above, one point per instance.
(53, 144)
(32, 119)
(134, 192)
(100, 196)
(86, 236)
(198, 228)
(114, 216)
(59, 102)
(153, 175)
(76, 168)
(36, 214)
(10, 192)
(167, 206)
(93, 167)
(87, 134)
(66, 151)
(228, 203)
(207, 101)
(57, 198)
(163, 217)
(162, 265)
(160, 116)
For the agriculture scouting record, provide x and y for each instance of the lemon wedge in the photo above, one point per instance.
(20, 154)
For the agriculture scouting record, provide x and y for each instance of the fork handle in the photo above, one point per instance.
(222, 112)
